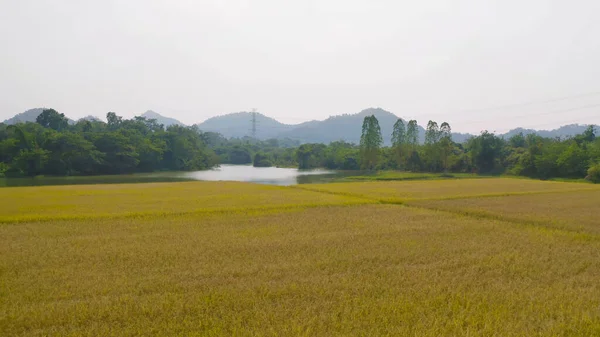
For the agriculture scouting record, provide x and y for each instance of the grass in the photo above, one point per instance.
(235, 259)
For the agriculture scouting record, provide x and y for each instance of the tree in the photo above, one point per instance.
(432, 134)
(412, 134)
(445, 144)
(370, 142)
(413, 161)
(113, 120)
(399, 141)
(310, 155)
(572, 161)
(50, 118)
(262, 160)
(594, 174)
(70, 153)
(485, 152)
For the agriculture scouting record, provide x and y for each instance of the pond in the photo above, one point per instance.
(247, 173)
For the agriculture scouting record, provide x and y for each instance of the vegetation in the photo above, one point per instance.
(531, 156)
(370, 143)
(243, 151)
(52, 146)
(201, 258)
(594, 173)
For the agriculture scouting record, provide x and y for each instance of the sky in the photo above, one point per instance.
(479, 65)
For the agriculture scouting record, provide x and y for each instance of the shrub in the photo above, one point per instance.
(594, 174)
(262, 160)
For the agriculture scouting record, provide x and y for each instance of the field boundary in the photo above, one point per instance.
(163, 214)
(485, 215)
(401, 201)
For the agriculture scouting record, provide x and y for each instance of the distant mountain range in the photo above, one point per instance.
(27, 116)
(166, 121)
(346, 127)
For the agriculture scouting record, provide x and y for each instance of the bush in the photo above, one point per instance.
(3, 169)
(262, 160)
(594, 174)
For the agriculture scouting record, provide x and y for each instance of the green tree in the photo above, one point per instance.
(399, 141)
(432, 133)
(485, 152)
(446, 146)
(412, 134)
(593, 174)
(413, 161)
(370, 142)
(261, 160)
(50, 118)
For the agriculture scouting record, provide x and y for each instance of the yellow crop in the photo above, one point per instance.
(399, 191)
(235, 259)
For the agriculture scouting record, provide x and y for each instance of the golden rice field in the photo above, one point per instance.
(398, 192)
(152, 199)
(484, 257)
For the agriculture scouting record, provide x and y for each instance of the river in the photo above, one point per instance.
(247, 173)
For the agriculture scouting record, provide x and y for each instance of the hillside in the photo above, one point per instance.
(345, 127)
(166, 121)
(24, 117)
(239, 124)
(563, 131)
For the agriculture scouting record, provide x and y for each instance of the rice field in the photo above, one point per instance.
(482, 257)
(401, 191)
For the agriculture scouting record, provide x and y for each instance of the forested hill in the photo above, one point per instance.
(562, 132)
(27, 116)
(344, 127)
(160, 119)
(239, 124)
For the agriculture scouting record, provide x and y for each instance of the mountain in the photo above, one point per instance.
(239, 124)
(564, 131)
(166, 121)
(24, 117)
(28, 116)
(346, 127)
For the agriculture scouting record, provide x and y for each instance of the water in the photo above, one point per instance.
(261, 175)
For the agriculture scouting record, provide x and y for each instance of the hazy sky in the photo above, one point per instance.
(300, 60)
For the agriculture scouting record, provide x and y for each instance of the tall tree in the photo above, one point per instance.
(370, 142)
(432, 134)
(413, 161)
(399, 142)
(50, 118)
(412, 133)
(399, 133)
(446, 145)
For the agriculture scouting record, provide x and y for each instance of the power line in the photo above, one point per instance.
(516, 105)
(538, 114)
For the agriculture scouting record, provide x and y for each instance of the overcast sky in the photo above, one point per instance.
(445, 60)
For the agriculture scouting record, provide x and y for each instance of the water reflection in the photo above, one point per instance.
(261, 175)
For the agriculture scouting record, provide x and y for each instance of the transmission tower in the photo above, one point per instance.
(253, 130)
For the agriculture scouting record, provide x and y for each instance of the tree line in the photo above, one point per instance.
(53, 146)
(523, 155)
